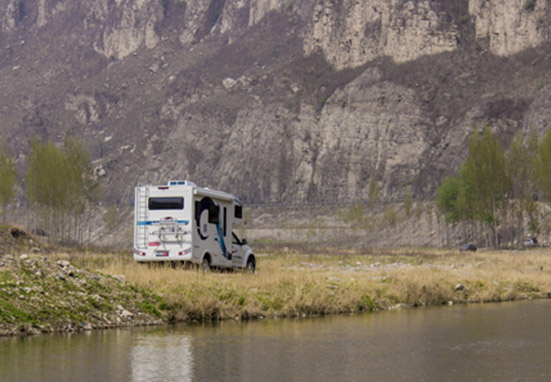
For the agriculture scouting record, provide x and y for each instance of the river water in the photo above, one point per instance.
(489, 342)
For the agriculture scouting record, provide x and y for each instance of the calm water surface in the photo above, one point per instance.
(494, 342)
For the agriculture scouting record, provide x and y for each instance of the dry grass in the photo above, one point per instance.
(288, 285)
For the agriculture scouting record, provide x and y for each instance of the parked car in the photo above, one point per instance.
(531, 242)
(468, 247)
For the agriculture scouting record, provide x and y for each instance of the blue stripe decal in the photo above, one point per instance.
(221, 240)
(150, 222)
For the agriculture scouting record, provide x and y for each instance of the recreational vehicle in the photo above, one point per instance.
(185, 223)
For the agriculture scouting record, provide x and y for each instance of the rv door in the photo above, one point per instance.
(238, 251)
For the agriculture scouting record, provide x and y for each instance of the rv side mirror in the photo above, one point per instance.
(244, 242)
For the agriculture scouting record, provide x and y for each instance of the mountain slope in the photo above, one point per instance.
(273, 100)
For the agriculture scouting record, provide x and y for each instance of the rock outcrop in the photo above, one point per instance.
(125, 25)
(351, 33)
(511, 26)
(10, 16)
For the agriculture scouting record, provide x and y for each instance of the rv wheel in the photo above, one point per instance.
(251, 265)
(205, 265)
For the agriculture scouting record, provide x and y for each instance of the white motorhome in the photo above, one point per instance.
(182, 222)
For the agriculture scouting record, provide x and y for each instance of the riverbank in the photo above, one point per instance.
(42, 293)
(55, 291)
(295, 285)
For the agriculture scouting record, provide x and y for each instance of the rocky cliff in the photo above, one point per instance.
(270, 99)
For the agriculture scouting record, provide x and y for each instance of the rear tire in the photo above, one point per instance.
(205, 265)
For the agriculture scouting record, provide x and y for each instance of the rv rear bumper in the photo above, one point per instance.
(145, 255)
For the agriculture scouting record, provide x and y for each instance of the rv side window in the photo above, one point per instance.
(235, 239)
(214, 214)
(166, 203)
(238, 212)
(225, 220)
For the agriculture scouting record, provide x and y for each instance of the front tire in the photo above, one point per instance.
(251, 265)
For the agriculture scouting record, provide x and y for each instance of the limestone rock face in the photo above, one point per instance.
(233, 17)
(259, 8)
(511, 25)
(133, 25)
(350, 32)
(369, 127)
(118, 28)
(10, 16)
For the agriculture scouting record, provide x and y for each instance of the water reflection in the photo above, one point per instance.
(161, 357)
(476, 343)
(82, 357)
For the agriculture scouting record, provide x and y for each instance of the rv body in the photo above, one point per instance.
(182, 222)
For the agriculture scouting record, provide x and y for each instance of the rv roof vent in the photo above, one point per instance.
(181, 183)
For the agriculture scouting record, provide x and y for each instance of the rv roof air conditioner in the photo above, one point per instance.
(181, 183)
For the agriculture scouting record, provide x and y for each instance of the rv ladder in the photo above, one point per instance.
(141, 229)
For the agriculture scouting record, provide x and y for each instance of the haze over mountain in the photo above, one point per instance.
(274, 100)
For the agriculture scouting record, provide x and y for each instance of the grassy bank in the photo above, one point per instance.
(292, 284)
(49, 290)
(41, 293)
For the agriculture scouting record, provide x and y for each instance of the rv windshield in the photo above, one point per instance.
(166, 203)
